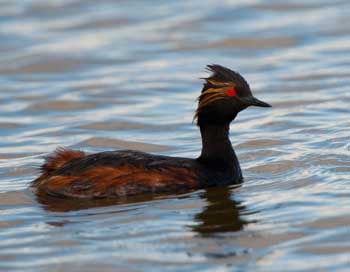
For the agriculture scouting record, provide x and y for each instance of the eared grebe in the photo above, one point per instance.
(225, 93)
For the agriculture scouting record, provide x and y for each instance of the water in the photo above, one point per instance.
(118, 74)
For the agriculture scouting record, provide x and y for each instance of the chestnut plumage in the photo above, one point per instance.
(69, 173)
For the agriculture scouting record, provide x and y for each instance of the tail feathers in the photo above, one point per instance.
(60, 157)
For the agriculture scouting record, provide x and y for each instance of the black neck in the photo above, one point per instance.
(216, 145)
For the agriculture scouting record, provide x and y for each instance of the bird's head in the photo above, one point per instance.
(225, 93)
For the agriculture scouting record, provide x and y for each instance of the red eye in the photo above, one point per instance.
(231, 92)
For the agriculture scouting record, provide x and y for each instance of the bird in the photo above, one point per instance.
(70, 173)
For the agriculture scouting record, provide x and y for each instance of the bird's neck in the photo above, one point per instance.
(216, 145)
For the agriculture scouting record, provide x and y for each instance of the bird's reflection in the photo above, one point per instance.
(55, 204)
(222, 213)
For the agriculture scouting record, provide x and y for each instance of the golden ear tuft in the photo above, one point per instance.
(207, 97)
(217, 84)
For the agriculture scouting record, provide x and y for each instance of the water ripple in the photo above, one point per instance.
(121, 74)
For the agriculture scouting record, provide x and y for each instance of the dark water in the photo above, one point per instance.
(101, 75)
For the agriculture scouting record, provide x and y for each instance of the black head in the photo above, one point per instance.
(225, 93)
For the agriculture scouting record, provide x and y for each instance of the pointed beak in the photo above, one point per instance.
(252, 101)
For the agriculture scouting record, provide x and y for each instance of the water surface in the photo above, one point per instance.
(125, 74)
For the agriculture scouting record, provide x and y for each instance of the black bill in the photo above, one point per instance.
(252, 101)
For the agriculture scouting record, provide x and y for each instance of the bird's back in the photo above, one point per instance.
(116, 173)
